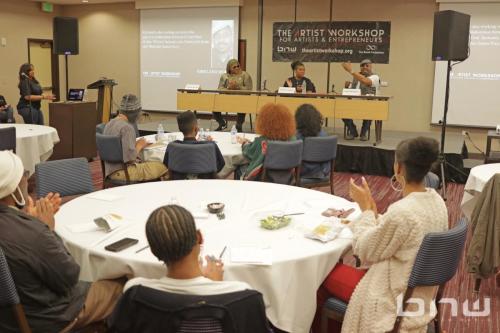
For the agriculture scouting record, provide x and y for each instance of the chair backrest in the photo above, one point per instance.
(8, 138)
(99, 128)
(8, 293)
(66, 177)
(195, 159)
(319, 149)
(109, 148)
(283, 155)
(438, 257)
(159, 311)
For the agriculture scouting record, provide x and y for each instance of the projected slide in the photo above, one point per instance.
(181, 46)
(475, 83)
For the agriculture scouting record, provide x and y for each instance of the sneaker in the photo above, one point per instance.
(364, 137)
(349, 136)
(222, 126)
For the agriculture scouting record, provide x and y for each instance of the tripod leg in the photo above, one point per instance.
(443, 179)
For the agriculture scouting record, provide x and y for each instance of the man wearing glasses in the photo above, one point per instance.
(369, 83)
(234, 79)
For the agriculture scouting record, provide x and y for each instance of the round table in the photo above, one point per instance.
(289, 281)
(34, 143)
(230, 151)
(478, 177)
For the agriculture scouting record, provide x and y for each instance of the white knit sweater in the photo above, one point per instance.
(390, 244)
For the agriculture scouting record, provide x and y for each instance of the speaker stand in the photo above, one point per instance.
(67, 81)
(442, 159)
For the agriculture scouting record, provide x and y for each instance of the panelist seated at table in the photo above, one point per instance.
(275, 122)
(188, 125)
(123, 126)
(234, 79)
(6, 111)
(390, 242)
(299, 81)
(309, 123)
(369, 83)
(44, 273)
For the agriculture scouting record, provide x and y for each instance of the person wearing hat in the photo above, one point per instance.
(123, 126)
(45, 275)
(234, 79)
(369, 83)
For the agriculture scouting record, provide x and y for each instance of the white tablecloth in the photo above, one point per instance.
(478, 177)
(230, 151)
(34, 143)
(299, 265)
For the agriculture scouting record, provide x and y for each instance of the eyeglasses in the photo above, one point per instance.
(235, 66)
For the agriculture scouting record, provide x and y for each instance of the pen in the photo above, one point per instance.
(222, 253)
(142, 249)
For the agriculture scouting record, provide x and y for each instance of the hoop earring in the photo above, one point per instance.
(401, 185)
(20, 203)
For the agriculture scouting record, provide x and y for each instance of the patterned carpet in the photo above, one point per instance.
(460, 287)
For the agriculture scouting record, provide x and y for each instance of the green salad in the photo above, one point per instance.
(275, 222)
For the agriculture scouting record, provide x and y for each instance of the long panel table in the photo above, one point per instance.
(329, 105)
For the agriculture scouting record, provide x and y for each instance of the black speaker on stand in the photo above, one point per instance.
(450, 43)
(66, 42)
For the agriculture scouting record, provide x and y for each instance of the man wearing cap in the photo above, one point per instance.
(45, 275)
(122, 126)
(369, 83)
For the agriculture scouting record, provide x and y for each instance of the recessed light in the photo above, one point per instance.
(85, 1)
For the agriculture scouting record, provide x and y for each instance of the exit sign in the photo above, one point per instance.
(47, 7)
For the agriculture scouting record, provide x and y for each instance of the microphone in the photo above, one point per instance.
(264, 88)
(24, 74)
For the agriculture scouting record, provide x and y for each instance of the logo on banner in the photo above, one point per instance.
(371, 47)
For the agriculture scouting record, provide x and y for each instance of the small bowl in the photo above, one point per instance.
(215, 207)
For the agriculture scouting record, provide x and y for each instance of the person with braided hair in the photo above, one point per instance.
(174, 239)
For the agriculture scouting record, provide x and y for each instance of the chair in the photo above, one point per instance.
(282, 162)
(8, 138)
(191, 160)
(66, 177)
(145, 310)
(436, 263)
(110, 150)
(9, 296)
(319, 150)
(99, 128)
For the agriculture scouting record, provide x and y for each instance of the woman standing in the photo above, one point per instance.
(234, 79)
(31, 96)
(299, 81)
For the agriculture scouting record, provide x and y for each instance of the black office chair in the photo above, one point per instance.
(318, 151)
(282, 162)
(190, 161)
(8, 138)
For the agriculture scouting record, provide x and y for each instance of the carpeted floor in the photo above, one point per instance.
(459, 288)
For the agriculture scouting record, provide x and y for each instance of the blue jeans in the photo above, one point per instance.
(7, 115)
(31, 115)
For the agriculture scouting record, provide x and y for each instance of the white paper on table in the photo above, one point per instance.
(251, 255)
(103, 196)
(82, 227)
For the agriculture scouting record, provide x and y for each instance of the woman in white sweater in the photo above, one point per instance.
(390, 242)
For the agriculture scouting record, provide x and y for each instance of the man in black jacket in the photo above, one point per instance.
(44, 273)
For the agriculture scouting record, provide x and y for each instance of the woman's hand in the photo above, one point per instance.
(242, 140)
(50, 97)
(214, 270)
(362, 195)
(289, 83)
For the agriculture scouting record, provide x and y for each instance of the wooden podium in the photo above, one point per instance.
(104, 98)
(75, 123)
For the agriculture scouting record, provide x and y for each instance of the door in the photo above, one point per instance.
(46, 69)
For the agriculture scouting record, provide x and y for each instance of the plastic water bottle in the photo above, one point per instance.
(234, 133)
(161, 133)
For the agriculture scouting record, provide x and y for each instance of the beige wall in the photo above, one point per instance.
(109, 47)
(20, 20)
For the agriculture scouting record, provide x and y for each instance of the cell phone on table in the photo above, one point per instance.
(121, 245)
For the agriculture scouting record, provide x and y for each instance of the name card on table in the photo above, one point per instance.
(193, 87)
(351, 92)
(286, 90)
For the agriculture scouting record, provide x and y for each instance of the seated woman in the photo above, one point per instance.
(275, 122)
(299, 81)
(309, 122)
(390, 243)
